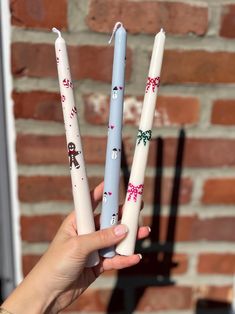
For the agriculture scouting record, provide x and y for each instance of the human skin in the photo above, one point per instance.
(61, 276)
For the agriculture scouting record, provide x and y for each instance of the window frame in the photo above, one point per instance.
(10, 242)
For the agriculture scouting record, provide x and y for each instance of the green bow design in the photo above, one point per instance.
(144, 136)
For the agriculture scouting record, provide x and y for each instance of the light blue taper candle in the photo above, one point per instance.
(110, 204)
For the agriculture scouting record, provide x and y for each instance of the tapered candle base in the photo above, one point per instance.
(92, 260)
(126, 247)
(108, 252)
(130, 218)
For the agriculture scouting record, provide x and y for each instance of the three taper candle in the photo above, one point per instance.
(133, 199)
(110, 204)
(80, 187)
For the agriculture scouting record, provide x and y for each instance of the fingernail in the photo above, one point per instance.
(149, 229)
(120, 230)
(140, 256)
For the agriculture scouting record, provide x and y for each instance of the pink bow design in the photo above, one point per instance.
(134, 191)
(152, 81)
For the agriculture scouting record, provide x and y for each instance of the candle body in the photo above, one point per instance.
(133, 199)
(110, 204)
(80, 187)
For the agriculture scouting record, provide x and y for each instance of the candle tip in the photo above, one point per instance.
(55, 30)
(162, 30)
(116, 26)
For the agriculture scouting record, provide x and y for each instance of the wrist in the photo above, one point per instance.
(29, 297)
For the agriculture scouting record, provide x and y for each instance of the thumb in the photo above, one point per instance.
(103, 238)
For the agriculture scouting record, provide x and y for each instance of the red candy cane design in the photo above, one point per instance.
(152, 81)
(67, 83)
(134, 191)
(73, 112)
(62, 98)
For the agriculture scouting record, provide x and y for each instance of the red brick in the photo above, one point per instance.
(219, 191)
(37, 105)
(198, 152)
(191, 228)
(174, 17)
(33, 60)
(198, 66)
(214, 229)
(216, 263)
(43, 149)
(223, 112)
(40, 14)
(28, 262)
(41, 228)
(227, 28)
(170, 111)
(165, 298)
(45, 188)
(183, 231)
(28, 58)
(166, 189)
(214, 293)
(97, 301)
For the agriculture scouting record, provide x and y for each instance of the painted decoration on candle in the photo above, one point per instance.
(110, 204)
(73, 112)
(134, 190)
(152, 82)
(67, 83)
(144, 136)
(114, 219)
(115, 91)
(72, 152)
(63, 98)
(115, 152)
(81, 192)
(106, 195)
(111, 127)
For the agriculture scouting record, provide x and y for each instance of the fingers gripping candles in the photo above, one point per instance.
(109, 213)
(133, 199)
(80, 187)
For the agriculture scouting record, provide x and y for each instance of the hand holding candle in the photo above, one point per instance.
(80, 187)
(109, 213)
(133, 199)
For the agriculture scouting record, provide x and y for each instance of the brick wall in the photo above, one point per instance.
(190, 181)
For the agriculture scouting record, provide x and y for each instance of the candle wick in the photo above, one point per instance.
(116, 26)
(55, 30)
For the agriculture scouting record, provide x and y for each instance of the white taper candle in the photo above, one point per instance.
(80, 187)
(133, 199)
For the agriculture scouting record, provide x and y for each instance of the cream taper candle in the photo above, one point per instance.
(133, 199)
(80, 187)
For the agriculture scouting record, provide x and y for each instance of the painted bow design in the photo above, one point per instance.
(152, 81)
(134, 191)
(144, 136)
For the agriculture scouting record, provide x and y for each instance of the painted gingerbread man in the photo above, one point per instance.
(72, 155)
